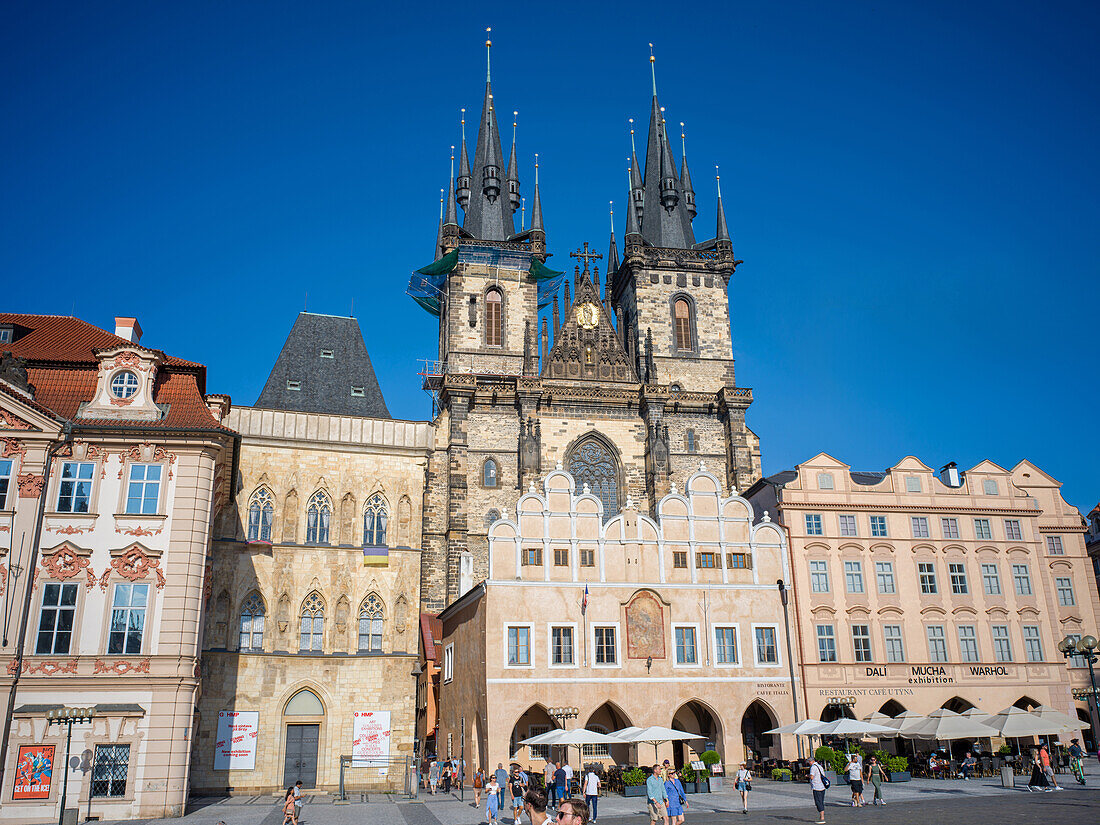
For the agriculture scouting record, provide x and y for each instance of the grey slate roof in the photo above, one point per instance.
(663, 227)
(484, 219)
(325, 383)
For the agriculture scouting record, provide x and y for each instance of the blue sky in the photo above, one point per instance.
(912, 186)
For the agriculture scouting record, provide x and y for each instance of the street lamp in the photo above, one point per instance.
(68, 717)
(559, 715)
(1085, 647)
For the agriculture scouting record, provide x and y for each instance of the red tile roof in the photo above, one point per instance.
(431, 629)
(62, 366)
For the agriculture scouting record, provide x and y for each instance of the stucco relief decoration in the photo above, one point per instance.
(49, 668)
(130, 360)
(69, 530)
(10, 421)
(3, 579)
(12, 446)
(148, 453)
(133, 565)
(30, 485)
(138, 531)
(120, 667)
(645, 635)
(207, 582)
(13, 666)
(65, 564)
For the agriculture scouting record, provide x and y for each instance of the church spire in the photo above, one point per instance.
(450, 217)
(631, 214)
(613, 251)
(439, 232)
(513, 169)
(685, 177)
(463, 193)
(637, 188)
(536, 206)
(722, 233)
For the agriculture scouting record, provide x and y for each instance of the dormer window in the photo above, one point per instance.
(294, 385)
(357, 392)
(327, 353)
(5, 335)
(124, 384)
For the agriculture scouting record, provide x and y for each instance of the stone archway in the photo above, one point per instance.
(696, 717)
(1026, 703)
(830, 713)
(533, 721)
(957, 704)
(892, 707)
(756, 719)
(607, 718)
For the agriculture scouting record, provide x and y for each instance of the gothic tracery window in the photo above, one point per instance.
(261, 512)
(318, 517)
(375, 517)
(370, 625)
(252, 623)
(682, 320)
(593, 464)
(489, 473)
(312, 623)
(494, 318)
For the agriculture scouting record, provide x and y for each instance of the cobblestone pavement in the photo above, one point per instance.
(919, 801)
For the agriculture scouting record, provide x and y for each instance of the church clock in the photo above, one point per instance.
(588, 315)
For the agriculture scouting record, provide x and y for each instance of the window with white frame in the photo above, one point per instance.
(5, 482)
(127, 618)
(968, 643)
(982, 530)
(1002, 646)
(1033, 644)
(124, 385)
(884, 575)
(56, 619)
(813, 525)
(5, 335)
(143, 490)
(596, 751)
(950, 527)
(686, 649)
(819, 576)
(927, 573)
(826, 643)
(252, 623)
(989, 487)
(920, 527)
(1012, 530)
(847, 525)
(912, 484)
(861, 642)
(1064, 586)
(853, 576)
(1054, 546)
(937, 643)
(1021, 578)
(541, 752)
(725, 646)
(959, 584)
(561, 645)
(824, 481)
(991, 579)
(519, 646)
(606, 645)
(895, 647)
(448, 663)
(74, 493)
(878, 526)
(767, 653)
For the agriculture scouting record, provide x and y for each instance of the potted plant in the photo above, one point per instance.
(711, 758)
(688, 778)
(634, 782)
(828, 758)
(898, 768)
(781, 774)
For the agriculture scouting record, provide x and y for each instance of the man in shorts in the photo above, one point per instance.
(656, 796)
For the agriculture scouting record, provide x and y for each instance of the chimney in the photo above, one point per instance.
(949, 475)
(128, 328)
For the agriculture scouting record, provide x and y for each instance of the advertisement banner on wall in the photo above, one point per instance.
(370, 746)
(33, 772)
(235, 747)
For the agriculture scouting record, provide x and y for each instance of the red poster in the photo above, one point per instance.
(33, 772)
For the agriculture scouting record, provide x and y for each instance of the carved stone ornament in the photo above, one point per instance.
(65, 564)
(12, 446)
(30, 485)
(10, 421)
(51, 668)
(120, 667)
(149, 454)
(133, 565)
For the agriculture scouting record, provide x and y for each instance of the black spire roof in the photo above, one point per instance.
(665, 220)
(488, 216)
(324, 368)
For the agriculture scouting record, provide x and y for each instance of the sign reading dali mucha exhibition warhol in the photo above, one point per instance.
(33, 772)
(235, 747)
(370, 745)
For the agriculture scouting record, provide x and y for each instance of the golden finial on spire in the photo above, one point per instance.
(683, 141)
(522, 212)
(463, 125)
(488, 47)
(515, 119)
(632, 149)
(718, 180)
(652, 69)
(611, 209)
(536, 169)
(441, 198)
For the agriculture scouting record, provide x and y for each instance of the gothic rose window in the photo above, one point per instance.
(370, 625)
(592, 463)
(261, 511)
(375, 517)
(318, 517)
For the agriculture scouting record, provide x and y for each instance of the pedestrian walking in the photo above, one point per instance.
(492, 800)
(560, 784)
(743, 783)
(876, 776)
(819, 783)
(517, 784)
(501, 777)
(656, 796)
(548, 778)
(591, 792)
(479, 783)
(433, 776)
(289, 815)
(854, 770)
(1038, 781)
(565, 766)
(297, 802)
(677, 800)
(1048, 768)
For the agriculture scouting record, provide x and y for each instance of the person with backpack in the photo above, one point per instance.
(819, 783)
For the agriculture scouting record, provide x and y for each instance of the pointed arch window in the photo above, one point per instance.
(375, 518)
(489, 473)
(682, 325)
(370, 625)
(318, 518)
(252, 623)
(592, 463)
(261, 512)
(312, 626)
(494, 318)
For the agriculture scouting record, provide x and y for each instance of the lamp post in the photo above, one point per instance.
(783, 596)
(559, 715)
(68, 717)
(414, 769)
(1085, 647)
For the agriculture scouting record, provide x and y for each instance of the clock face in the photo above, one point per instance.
(588, 315)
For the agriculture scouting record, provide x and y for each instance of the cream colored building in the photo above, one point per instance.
(917, 590)
(111, 449)
(314, 617)
(683, 627)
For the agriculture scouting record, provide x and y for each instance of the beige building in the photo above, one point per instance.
(683, 626)
(312, 633)
(111, 464)
(917, 590)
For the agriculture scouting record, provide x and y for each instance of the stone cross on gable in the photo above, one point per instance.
(586, 256)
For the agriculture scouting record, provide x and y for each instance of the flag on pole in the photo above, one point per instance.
(584, 601)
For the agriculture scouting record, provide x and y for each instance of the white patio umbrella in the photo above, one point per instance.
(577, 736)
(1069, 723)
(807, 727)
(906, 721)
(852, 727)
(654, 735)
(1014, 722)
(976, 713)
(880, 718)
(946, 724)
